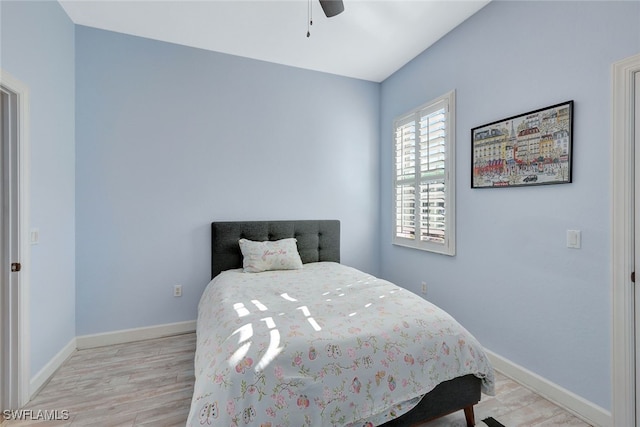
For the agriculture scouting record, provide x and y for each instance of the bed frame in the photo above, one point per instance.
(319, 240)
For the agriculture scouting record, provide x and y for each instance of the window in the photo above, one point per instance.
(424, 177)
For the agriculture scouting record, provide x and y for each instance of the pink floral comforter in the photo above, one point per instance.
(327, 345)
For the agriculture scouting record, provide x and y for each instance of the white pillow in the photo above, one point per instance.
(270, 255)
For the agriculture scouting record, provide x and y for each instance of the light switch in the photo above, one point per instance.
(574, 239)
(35, 236)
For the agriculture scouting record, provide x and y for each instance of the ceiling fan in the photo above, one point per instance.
(329, 7)
(332, 7)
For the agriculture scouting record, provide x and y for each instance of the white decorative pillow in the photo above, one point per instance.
(270, 255)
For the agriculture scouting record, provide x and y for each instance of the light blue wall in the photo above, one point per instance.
(170, 138)
(514, 283)
(37, 48)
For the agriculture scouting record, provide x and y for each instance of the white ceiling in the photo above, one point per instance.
(370, 40)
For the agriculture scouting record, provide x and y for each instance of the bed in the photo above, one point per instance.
(319, 343)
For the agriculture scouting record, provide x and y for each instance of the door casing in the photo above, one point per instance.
(636, 136)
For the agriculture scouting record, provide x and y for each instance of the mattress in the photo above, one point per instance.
(324, 345)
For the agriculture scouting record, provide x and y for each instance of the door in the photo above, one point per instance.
(3, 138)
(14, 373)
(8, 247)
(625, 245)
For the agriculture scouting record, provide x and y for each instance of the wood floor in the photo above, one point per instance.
(149, 383)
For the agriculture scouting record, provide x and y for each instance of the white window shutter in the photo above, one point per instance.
(424, 212)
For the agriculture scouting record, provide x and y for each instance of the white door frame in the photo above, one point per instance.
(18, 353)
(636, 110)
(622, 247)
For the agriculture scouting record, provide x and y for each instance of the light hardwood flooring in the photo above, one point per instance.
(149, 383)
(514, 406)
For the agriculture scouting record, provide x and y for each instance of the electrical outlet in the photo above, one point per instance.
(424, 288)
(177, 291)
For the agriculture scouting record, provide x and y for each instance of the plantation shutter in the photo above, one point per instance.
(432, 173)
(420, 179)
(405, 179)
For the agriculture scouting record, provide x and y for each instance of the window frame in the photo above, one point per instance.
(447, 247)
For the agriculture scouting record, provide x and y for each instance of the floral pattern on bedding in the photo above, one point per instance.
(327, 345)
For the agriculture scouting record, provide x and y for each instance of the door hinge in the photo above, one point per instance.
(15, 267)
(633, 276)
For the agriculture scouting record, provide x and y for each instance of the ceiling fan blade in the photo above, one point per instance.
(332, 7)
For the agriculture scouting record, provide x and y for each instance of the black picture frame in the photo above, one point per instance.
(534, 148)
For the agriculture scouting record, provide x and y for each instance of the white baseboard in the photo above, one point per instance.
(136, 334)
(40, 379)
(582, 408)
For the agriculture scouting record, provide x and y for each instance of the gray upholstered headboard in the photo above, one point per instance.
(318, 240)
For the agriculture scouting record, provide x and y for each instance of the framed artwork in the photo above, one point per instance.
(528, 149)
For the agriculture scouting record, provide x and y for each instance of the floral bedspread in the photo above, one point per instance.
(326, 345)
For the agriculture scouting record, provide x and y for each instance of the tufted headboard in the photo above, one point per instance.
(318, 240)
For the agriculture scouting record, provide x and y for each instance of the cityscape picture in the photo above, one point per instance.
(528, 149)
